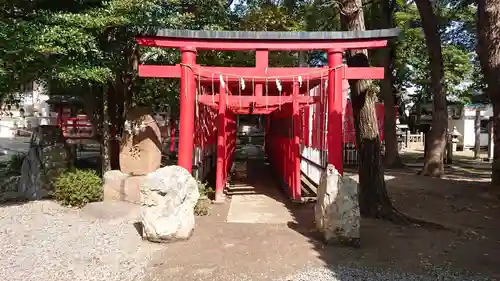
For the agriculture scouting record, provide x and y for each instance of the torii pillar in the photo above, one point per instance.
(335, 101)
(187, 104)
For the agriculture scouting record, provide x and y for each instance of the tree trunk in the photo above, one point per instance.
(418, 119)
(477, 131)
(392, 158)
(105, 135)
(433, 165)
(373, 198)
(489, 55)
(113, 122)
(495, 166)
(388, 56)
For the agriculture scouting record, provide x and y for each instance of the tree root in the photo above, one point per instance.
(399, 218)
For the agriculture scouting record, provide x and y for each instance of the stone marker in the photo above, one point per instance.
(168, 198)
(122, 187)
(140, 148)
(48, 157)
(337, 208)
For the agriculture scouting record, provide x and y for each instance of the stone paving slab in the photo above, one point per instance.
(258, 208)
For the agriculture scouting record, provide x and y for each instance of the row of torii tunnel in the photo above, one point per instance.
(306, 108)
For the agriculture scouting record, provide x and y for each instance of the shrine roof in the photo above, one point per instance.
(277, 35)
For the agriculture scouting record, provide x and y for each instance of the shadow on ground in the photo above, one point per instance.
(221, 251)
(458, 201)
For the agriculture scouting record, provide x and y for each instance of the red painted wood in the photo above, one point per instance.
(221, 146)
(172, 135)
(322, 115)
(272, 45)
(230, 137)
(284, 150)
(261, 62)
(187, 104)
(262, 101)
(249, 111)
(349, 132)
(335, 99)
(206, 126)
(295, 148)
(258, 75)
(260, 96)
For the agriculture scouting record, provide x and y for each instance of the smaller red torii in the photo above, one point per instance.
(220, 87)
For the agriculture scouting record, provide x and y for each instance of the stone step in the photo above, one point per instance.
(240, 189)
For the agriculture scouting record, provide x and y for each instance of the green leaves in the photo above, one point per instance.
(412, 60)
(78, 187)
(93, 41)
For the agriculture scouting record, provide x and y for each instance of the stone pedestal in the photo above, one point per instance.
(140, 149)
(337, 208)
(122, 187)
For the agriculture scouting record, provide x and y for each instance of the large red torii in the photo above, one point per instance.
(221, 86)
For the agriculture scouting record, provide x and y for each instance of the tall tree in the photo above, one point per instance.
(388, 57)
(90, 45)
(373, 198)
(489, 56)
(433, 165)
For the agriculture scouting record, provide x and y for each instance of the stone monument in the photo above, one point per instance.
(337, 213)
(47, 158)
(140, 148)
(140, 154)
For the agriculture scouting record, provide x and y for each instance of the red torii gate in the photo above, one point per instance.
(221, 87)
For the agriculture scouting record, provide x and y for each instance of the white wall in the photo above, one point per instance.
(313, 159)
(311, 163)
(466, 126)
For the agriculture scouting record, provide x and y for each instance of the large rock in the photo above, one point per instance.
(168, 198)
(47, 158)
(141, 146)
(337, 208)
(122, 187)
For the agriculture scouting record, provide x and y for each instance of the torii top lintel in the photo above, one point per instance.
(265, 40)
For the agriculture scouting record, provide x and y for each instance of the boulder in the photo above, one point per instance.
(48, 157)
(337, 208)
(140, 148)
(168, 198)
(122, 187)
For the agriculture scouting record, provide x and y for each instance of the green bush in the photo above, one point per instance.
(205, 190)
(78, 187)
(202, 207)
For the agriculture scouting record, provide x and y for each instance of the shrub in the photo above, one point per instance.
(205, 190)
(202, 207)
(78, 187)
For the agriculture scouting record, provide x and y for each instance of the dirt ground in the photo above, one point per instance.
(236, 251)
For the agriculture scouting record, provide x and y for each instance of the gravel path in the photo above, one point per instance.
(352, 274)
(44, 241)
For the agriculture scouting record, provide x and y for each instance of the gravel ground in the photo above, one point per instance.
(45, 241)
(352, 274)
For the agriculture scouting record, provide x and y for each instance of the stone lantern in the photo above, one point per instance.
(453, 138)
(451, 144)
